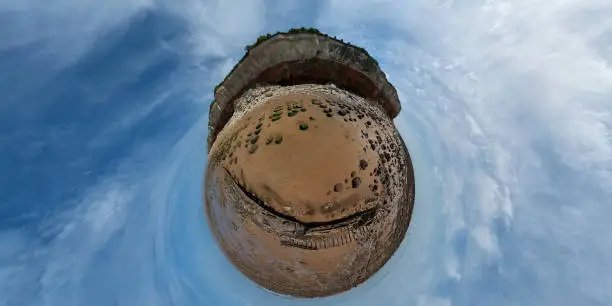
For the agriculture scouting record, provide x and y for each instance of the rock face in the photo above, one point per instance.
(309, 188)
(289, 59)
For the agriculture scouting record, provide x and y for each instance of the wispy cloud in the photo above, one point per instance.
(506, 113)
(515, 95)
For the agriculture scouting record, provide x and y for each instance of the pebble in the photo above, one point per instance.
(278, 139)
(363, 164)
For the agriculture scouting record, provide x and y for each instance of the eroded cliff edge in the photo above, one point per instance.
(301, 57)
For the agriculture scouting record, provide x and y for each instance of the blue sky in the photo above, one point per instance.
(506, 112)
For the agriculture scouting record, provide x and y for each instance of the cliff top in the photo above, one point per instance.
(302, 56)
(302, 30)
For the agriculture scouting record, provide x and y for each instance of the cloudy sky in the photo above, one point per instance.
(507, 112)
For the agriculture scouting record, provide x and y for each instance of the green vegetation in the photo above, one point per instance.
(278, 139)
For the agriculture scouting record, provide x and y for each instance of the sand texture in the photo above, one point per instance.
(309, 188)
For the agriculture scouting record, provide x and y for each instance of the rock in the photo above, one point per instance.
(278, 139)
(363, 164)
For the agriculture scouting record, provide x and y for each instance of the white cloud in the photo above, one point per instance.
(516, 95)
(219, 28)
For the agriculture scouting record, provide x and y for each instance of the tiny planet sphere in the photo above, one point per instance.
(309, 187)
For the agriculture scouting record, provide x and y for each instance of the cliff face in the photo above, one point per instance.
(301, 58)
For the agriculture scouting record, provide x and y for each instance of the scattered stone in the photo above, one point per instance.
(353, 174)
(328, 206)
(278, 139)
(338, 187)
(269, 140)
(253, 149)
(329, 115)
(363, 164)
(311, 118)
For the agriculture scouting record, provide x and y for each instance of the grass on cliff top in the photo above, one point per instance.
(263, 38)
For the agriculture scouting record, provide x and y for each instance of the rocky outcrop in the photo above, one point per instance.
(299, 58)
(309, 189)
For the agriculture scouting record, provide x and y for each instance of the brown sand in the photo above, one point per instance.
(309, 189)
(314, 173)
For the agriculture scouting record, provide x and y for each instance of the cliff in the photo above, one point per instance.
(300, 57)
